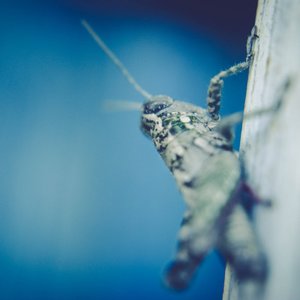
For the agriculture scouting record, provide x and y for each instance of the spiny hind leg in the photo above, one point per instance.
(193, 245)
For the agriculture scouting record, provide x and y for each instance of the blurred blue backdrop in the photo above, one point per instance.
(87, 208)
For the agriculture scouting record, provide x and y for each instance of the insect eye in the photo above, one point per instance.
(155, 106)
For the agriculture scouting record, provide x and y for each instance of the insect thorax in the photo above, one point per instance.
(164, 120)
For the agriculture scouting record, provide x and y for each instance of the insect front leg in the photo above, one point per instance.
(213, 99)
(216, 83)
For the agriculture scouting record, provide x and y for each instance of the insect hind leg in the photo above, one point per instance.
(181, 270)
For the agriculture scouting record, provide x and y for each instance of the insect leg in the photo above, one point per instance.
(215, 87)
(216, 83)
(226, 124)
(181, 270)
(254, 198)
(250, 42)
(239, 245)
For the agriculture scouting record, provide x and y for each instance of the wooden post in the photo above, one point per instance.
(270, 146)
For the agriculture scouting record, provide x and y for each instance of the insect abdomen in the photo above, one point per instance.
(210, 197)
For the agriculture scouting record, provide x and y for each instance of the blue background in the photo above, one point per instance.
(87, 208)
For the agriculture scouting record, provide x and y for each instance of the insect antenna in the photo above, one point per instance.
(121, 105)
(115, 60)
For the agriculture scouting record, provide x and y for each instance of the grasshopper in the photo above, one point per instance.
(197, 147)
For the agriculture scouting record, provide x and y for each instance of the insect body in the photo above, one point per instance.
(209, 176)
(197, 148)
